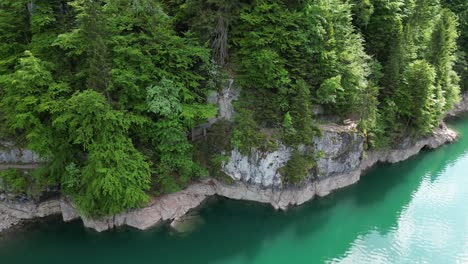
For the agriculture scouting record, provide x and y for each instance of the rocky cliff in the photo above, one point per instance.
(256, 178)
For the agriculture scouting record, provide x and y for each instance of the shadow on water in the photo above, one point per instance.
(242, 230)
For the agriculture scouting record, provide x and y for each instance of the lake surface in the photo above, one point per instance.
(412, 212)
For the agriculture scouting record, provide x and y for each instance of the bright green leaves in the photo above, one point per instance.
(110, 91)
(115, 178)
(115, 175)
(88, 118)
(418, 88)
(266, 36)
(287, 121)
(303, 124)
(297, 168)
(342, 68)
(265, 69)
(13, 181)
(329, 90)
(163, 99)
(175, 166)
(460, 8)
(415, 43)
(443, 47)
(25, 96)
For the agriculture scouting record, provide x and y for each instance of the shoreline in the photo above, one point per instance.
(171, 208)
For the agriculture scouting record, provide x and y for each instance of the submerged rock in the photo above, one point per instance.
(187, 224)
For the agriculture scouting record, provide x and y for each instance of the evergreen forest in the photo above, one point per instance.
(108, 92)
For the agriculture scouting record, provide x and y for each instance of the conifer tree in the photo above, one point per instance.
(443, 47)
(460, 8)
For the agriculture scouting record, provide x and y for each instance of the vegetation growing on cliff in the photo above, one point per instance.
(108, 92)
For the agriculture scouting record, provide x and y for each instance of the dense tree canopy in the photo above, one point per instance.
(108, 92)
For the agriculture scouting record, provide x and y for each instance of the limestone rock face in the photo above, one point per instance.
(172, 207)
(225, 98)
(440, 136)
(69, 213)
(341, 149)
(9, 154)
(258, 168)
(14, 212)
(256, 179)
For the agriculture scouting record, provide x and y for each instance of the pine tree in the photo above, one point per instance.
(443, 47)
(417, 86)
(460, 8)
(114, 176)
(15, 33)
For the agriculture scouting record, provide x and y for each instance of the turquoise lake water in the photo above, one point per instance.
(411, 212)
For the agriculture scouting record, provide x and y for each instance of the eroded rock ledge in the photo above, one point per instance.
(172, 207)
(342, 164)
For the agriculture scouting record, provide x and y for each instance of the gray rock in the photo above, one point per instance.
(187, 223)
(341, 148)
(228, 94)
(14, 212)
(257, 180)
(9, 154)
(69, 213)
(212, 97)
(258, 168)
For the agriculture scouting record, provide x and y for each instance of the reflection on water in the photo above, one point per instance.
(414, 211)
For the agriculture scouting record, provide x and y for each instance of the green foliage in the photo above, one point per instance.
(114, 175)
(13, 181)
(211, 20)
(407, 38)
(418, 87)
(22, 182)
(108, 92)
(176, 166)
(329, 90)
(247, 134)
(14, 33)
(303, 126)
(287, 121)
(443, 56)
(163, 99)
(460, 8)
(212, 150)
(297, 168)
(362, 10)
